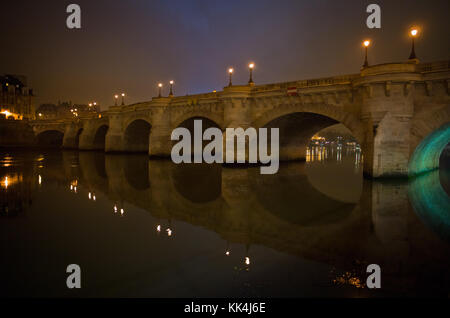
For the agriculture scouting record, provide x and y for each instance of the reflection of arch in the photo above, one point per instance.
(100, 137)
(136, 171)
(136, 137)
(426, 155)
(431, 203)
(289, 196)
(92, 165)
(347, 119)
(50, 138)
(339, 182)
(198, 183)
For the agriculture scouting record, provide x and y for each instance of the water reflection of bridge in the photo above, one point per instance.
(288, 212)
(283, 211)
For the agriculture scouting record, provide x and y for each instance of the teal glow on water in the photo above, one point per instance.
(150, 228)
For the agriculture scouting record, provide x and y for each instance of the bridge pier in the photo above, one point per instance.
(93, 136)
(159, 141)
(388, 107)
(115, 134)
(72, 135)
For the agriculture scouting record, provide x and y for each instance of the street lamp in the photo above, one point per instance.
(251, 66)
(115, 99)
(160, 85)
(413, 32)
(123, 95)
(230, 71)
(366, 44)
(171, 89)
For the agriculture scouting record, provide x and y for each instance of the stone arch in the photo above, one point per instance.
(347, 119)
(214, 117)
(427, 154)
(99, 140)
(134, 117)
(136, 136)
(50, 138)
(40, 129)
(189, 123)
(297, 123)
(429, 136)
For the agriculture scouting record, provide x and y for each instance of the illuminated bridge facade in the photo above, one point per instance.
(398, 112)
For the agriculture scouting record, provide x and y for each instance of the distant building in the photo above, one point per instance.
(16, 99)
(64, 110)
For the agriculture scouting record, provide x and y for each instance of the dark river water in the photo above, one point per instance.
(150, 228)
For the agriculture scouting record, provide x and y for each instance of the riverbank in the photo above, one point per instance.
(16, 134)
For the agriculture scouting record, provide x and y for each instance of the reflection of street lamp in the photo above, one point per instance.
(171, 89)
(227, 251)
(366, 44)
(251, 66)
(413, 33)
(115, 99)
(160, 85)
(123, 95)
(230, 71)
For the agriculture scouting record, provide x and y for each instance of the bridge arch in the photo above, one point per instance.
(100, 137)
(137, 135)
(347, 119)
(299, 122)
(429, 136)
(189, 123)
(50, 138)
(427, 154)
(216, 118)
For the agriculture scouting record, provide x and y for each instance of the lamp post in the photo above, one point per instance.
(171, 89)
(160, 85)
(230, 71)
(251, 66)
(366, 44)
(115, 99)
(123, 102)
(413, 33)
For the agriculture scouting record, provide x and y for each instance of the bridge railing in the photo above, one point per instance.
(434, 66)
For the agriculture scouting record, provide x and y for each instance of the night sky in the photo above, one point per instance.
(132, 45)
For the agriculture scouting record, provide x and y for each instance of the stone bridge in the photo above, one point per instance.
(399, 113)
